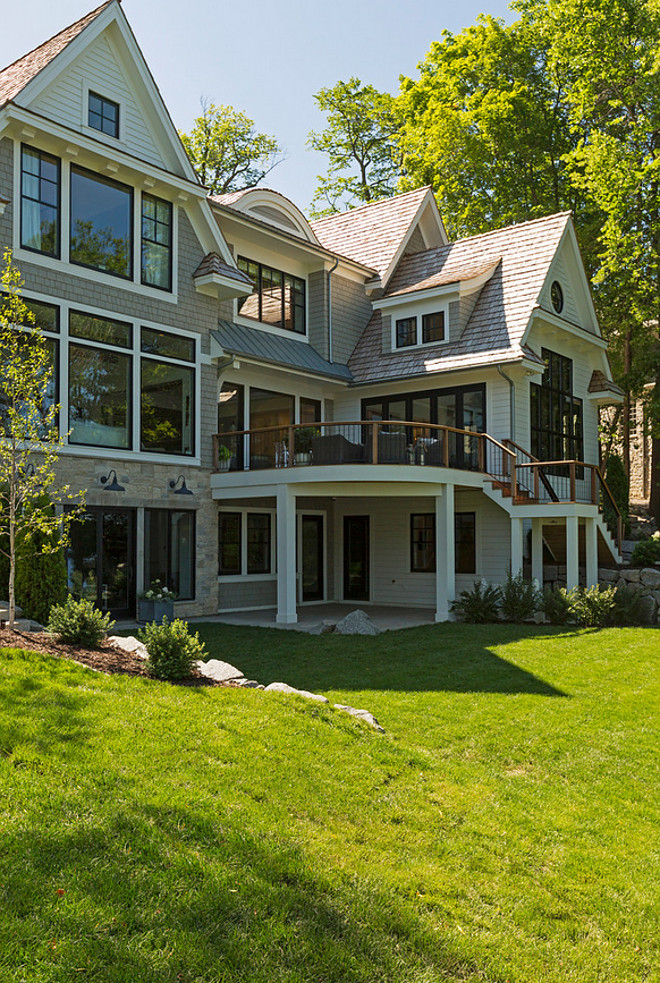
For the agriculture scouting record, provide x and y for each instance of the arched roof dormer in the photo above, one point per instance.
(270, 207)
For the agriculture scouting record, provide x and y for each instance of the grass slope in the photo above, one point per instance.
(506, 827)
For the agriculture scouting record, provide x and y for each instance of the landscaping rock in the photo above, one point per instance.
(647, 611)
(356, 623)
(327, 628)
(606, 576)
(249, 684)
(4, 611)
(221, 672)
(130, 644)
(285, 688)
(361, 715)
(651, 578)
(631, 576)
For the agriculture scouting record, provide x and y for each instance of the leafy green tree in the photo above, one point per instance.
(227, 151)
(31, 444)
(360, 139)
(486, 124)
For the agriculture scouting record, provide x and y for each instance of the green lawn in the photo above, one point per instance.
(505, 828)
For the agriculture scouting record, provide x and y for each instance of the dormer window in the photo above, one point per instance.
(103, 115)
(410, 333)
(277, 298)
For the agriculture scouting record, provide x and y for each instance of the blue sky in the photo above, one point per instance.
(263, 57)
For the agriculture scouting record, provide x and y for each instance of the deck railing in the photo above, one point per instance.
(402, 442)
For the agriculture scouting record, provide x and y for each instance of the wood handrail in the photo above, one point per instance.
(363, 423)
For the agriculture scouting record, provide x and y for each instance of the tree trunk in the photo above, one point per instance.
(12, 554)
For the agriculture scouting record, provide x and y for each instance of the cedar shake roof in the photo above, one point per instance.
(371, 234)
(495, 329)
(16, 76)
(213, 264)
(230, 198)
(601, 384)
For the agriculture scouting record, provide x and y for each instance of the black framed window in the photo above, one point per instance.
(153, 342)
(100, 397)
(101, 223)
(40, 201)
(103, 114)
(167, 394)
(406, 332)
(169, 550)
(258, 542)
(46, 316)
(556, 416)
(105, 330)
(156, 242)
(459, 406)
(433, 327)
(278, 298)
(229, 543)
(422, 543)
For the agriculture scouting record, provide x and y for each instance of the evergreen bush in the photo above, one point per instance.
(646, 552)
(628, 606)
(79, 623)
(172, 649)
(519, 599)
(618, 484)
(478, 606)
(556, 606)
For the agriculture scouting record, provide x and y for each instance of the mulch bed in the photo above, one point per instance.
(106, 659)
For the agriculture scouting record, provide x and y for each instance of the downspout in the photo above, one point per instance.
(512, 400)
(330, 272)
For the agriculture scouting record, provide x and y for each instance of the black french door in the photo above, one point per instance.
(356, 557)
(101, 560)
(312, 557)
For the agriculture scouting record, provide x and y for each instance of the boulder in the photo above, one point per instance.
(650, 577)
(249, 684)
(356, 623)
(4, 611)
(221, 672)
(607, 576)
(647, 611)
(131, 645)
(632, 575)
(361, 715)
(285, 688)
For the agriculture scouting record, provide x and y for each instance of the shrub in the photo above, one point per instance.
(591, 607)
(628, 606)
(646, 552)
(556, 606)
(519, 599)
(478, 606)
(172, 649)
(618, 484)
(79, 623)
(40, 583)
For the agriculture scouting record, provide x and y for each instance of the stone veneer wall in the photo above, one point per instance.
(645, 579)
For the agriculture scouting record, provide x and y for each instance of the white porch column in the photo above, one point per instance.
(537, 551)
(516, 546)
(445, 576)
(591, 544)
(572, 552)
(286, 556)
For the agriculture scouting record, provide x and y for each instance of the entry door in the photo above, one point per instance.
(356, 557)
(312, 557)
(101, 560)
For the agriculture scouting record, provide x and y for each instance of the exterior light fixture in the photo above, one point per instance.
(114, 484)
(183, 490)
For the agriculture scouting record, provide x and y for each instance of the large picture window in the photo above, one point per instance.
(277, 298)
(555, 414)
(422, 543)
(169, 550)
(167, 395)
(40, 202)
(156, 242)
(101, 235)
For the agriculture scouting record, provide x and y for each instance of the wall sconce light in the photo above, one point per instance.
(114, 484)
(183, 490)
(3, 204)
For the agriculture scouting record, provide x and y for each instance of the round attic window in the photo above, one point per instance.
(557, 297)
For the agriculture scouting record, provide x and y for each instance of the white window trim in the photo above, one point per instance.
(418, 316)
(244, 576)
(63, 264)
(114, 95)
(124, 454)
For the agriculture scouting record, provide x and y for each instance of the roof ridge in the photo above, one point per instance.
(370, 204)
(81, 24)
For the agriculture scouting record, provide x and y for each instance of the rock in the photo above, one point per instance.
(606, 576)
(361, 715)
(249, 684)
(130, 644)
(651, 578)
(631, 576)
(647, 611)
(356, 623)
(327, 628)
(4, 611)
(285, 688)
(221, 672)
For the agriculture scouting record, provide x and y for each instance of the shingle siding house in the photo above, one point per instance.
(360, 409)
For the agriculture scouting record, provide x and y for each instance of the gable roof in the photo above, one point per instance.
(16, 76)
(373, 233)
(521, 255)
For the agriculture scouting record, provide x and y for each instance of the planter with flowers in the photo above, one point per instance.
(156, 603)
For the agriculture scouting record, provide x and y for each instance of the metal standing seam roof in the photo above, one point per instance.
(238, 339)
(16, 76)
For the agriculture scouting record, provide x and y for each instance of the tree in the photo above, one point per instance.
(31, 442)
(361, 141)
(227, 151)
(487, 125)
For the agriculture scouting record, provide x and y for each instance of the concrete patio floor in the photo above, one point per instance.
(311, 617)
